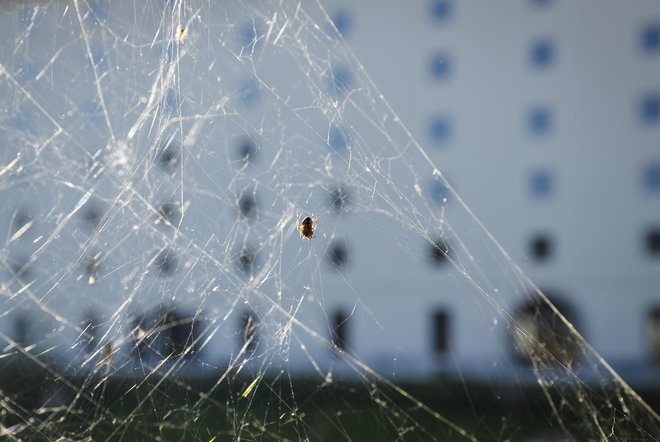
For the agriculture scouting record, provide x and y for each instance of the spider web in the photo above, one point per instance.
(157, 157)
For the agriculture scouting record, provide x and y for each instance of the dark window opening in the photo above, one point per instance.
(650, 38)
(246, 261)
(339, 199)
(21, 218)
(650, 109)
(438, 252)
(249, 332)
(169, 156)
(180, 334)
(541, 337)
(21, 266)
(339, 332)
(165, 334)
(89, 334)
(540, 121)
(441, 10)
(440, 66)
(440, 331)
(541, 247)
(542, 54)
(338, 255)
(247, 205)
(92, 214)
(21, 330)
(169, 213)
(143, 337)
(246, 151)
(92, 267)
(653, 241)
(654, 333)
(166, 263)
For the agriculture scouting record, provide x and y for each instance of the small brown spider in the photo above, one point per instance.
(306, 227)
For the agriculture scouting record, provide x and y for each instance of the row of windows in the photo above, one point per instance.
(442, 11)
(541, 248)
(537, 333)
(540, 120)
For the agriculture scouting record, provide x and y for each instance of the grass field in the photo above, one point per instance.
(44, 406)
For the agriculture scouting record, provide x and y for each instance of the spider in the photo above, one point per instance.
(306, 227)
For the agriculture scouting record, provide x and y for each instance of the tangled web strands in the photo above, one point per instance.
(154, 285)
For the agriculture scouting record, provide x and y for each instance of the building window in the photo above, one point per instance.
(166, 263)
(650, 38)
(649, 109)
(652, 177)
(540, 336)
(439, 192)
(440, 328)
(164, 334)
(653, 241)
(180, 334)
(21, 330)
(654, 333)
(541, 183)
(440, 130)
(337, 139)
(438, 252)
(169, 213)
(339, 199)
(247, 204)
(249, 332)
(542, 54)
(246, 261)
(541, 247)
(340, 82)
(338, 255)
(246, 151)
(342, 21)
(169, 156)
(540, 121)
(441, 10)
(440, 66)
(339, 332)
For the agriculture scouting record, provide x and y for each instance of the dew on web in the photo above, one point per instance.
(215, 226)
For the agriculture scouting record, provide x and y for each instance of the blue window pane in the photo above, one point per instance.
(542, 54)
(342, 21)
(441, 10)
(440, 66)
(249, 93)
(539, 121)
(340, 82)
(650, 109)
(541, 183)
(440, 130)
(650, 38)
(653, 178)
(337, 139)
(438, 192)
(250, 36)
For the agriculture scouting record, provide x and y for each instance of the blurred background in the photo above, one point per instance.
(159, 156)
(544, 115)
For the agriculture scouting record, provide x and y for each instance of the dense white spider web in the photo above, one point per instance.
(154, 286)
